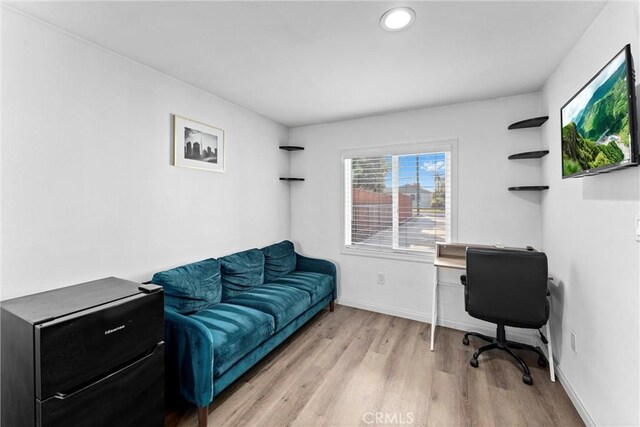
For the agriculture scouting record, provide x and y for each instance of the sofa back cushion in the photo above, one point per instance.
(279, 260)
(192, 287)
(241, 271)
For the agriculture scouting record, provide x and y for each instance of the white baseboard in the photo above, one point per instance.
(392, 311)
(522, 335)
(566, 385)
(575, 399)
(517, 335)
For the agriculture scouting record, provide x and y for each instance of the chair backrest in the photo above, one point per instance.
(507, 287)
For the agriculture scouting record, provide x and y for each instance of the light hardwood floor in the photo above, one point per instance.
(357, 368)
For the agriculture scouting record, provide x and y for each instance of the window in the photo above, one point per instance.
(398, 200)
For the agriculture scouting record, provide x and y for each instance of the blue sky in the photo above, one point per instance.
(429, 163)
(578, 103)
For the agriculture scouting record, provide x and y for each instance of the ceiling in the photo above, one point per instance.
(302, 63)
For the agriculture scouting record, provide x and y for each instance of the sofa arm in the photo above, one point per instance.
(317, 265)
(188, 358)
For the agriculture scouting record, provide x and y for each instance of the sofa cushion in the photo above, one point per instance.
(235, 330)
(284, 303)
(191, 287)
(317, 285)
(241, 271)
(279, 260)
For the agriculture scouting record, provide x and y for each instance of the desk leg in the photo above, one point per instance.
(434, 305)
(552, 371)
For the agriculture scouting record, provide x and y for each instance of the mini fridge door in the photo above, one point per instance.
(74, 350)
(132, 396)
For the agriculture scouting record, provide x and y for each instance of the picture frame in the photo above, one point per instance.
(197, 145)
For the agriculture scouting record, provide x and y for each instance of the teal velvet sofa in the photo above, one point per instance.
(222, 316)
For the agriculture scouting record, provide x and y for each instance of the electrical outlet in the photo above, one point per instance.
(574, 344)
(381, 279)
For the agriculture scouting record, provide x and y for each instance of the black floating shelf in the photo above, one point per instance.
(530, 188)
(291, 148)
(529, 155)
(529, 123)
(291, 179)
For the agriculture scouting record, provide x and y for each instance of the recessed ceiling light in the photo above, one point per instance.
(397, 19)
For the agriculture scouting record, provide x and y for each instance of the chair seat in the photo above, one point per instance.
(284, 303)
(317, 285)
(530, 323)
(235, 330)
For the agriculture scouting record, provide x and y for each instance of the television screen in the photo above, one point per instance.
(598, 123)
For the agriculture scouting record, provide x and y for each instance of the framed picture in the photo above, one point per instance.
(197, 145)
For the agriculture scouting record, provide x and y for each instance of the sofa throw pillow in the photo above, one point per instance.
(241, 271)
(279, 260)
(192, 287)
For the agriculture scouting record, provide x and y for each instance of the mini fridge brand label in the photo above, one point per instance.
(110, 331)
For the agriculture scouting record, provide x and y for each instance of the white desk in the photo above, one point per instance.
(454, 255)
(448, 255)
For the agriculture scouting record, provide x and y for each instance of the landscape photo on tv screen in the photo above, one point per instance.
(595, 123)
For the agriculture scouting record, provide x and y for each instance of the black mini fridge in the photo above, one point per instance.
(85, 355)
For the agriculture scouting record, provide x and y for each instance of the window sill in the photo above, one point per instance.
(426, 257)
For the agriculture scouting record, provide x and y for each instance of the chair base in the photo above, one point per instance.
(501, 343)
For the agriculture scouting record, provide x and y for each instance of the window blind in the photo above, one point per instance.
(398, 202)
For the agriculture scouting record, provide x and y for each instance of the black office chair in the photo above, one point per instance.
(508, 288)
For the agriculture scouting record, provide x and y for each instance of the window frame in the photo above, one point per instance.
(435, 146)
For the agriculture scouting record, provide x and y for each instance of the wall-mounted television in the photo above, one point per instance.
(599, 131)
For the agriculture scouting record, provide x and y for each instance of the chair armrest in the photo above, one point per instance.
(317, 265)
(549, 285)
(188, 357)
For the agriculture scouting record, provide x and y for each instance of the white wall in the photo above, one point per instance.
(588, 235)
(88, 189)
(1, 20)
(487, 212)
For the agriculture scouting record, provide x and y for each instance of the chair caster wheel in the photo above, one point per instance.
(465, 341)
(542, 362)
(474, 362)
(527, 379)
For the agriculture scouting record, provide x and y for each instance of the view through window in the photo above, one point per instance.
(399, 203)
